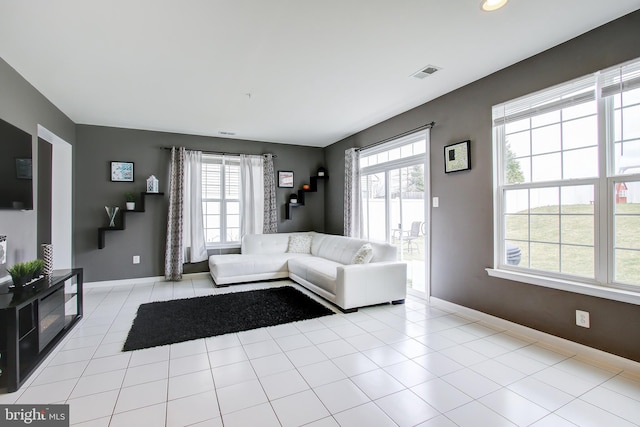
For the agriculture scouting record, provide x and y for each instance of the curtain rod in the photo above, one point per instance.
(400, 135)
(221, 153)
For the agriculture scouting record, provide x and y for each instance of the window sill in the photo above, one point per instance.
(223, 246)
(569, 286)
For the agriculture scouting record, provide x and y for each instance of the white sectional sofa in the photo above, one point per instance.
(322, 263)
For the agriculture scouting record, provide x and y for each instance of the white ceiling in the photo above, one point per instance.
(286, 71)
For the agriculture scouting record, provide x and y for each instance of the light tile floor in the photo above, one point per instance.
(405, 365)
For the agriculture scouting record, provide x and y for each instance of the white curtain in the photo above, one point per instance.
(352, 202)
(193, 241)
(252, 195)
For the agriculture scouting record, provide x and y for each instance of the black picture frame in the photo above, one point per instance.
(24, 169)
(122, 171)
(285, 179)
(457, 157)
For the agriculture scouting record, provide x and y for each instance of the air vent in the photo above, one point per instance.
(425, 72)
(222, 132)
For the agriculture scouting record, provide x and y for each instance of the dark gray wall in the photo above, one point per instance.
(45, 170)
(146, 232)
(462, 227)
(24, 107)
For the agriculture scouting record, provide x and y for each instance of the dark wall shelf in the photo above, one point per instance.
(123, 216)
(313, 187)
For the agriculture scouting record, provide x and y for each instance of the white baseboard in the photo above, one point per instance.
(542, 338)
(120, 282)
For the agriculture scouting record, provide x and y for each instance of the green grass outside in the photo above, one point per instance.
(575, 255)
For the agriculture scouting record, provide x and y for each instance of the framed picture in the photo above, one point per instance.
(285, 179)
(457, 157)
(23, 169)
(122, 171)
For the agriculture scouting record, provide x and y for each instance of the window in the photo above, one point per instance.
(392, 177)
(221, 200)
(393, 190)
(567, 181)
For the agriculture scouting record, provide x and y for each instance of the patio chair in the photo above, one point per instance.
(416, 228)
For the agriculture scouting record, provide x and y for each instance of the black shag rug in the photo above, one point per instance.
(168, 322)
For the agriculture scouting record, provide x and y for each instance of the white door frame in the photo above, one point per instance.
(384, 168)
(61, 199)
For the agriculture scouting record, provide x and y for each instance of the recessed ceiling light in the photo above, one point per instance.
(491, 5)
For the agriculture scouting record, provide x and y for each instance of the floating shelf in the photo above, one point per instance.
(122, 226)
(313, 187)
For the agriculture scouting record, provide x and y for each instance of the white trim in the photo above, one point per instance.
(403, 162)
(393, 143)
(498, 242)
(61, 198)
(542, 338)
(427, 215)
(139, 280)
(385, 167)
(567, 285)
(232, 245)
(616, 80)
(224, 161)
(48, 136)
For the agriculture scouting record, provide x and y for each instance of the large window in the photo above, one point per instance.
(393, 188)
(567, 174)
(221, 200)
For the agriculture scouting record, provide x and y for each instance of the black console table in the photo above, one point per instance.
(33, 320)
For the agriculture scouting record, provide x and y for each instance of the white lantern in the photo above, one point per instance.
(152, 184)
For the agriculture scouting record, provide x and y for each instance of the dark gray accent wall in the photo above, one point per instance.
(462, 227)
(145, 233)
(45, 169)
(24, 107)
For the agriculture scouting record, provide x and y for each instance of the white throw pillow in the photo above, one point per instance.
(300, 244)
(364, 254)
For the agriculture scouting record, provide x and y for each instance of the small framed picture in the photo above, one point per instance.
(122, 171)
(457, 157)
(285, 179)
(23, 169)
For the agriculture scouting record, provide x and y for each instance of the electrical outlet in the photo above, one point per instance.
(436, 202)
(582, 319)
(136, 259)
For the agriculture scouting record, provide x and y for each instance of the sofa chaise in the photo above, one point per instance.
(348, 272)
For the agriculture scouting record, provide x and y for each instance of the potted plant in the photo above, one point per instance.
(131, 201)
(35, 268)
(20, 274)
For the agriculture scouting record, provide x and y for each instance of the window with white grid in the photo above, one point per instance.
(567, 175)
(221, 199)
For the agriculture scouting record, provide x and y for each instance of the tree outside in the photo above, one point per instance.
(514, 173)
